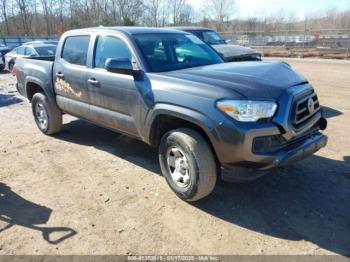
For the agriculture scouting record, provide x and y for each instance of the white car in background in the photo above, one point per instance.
(29, 50)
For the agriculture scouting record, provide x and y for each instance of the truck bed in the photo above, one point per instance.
(38, 70)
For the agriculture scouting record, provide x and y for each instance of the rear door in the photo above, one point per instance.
(69, 76)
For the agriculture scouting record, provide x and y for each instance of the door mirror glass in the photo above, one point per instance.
(120, 66)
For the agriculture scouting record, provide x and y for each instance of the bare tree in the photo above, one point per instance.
(53, 17)
(154, 12)
(61, 7)
(47, 6)
(220, 11)
(23, 6)
(4, 7)
(180, 11)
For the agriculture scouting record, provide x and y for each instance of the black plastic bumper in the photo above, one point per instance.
(310, 146)
(278, 159)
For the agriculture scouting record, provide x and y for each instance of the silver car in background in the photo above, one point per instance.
(29, 50)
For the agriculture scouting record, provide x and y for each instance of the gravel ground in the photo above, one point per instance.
(91, 191)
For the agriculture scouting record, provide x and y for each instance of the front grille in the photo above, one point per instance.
(304, 109)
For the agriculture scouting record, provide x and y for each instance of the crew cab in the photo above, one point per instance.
(172, 91)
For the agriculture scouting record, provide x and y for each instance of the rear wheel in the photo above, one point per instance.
(47, 116)
(188, 164)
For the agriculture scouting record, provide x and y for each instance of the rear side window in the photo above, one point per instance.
(20, 50)
(46, 50)
(29, 51)
(75, 49)
(109, 47)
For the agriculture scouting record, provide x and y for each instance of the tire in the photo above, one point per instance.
(10, 66)
(199, 179)
(42, 109)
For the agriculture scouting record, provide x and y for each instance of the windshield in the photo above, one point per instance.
(210, 37)
(46, 50)
(168, 52)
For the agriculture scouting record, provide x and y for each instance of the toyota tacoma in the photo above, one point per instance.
(168, 88)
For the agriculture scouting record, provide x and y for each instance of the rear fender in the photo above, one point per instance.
(44, 86)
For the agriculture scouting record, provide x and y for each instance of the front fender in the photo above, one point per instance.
(190, 115)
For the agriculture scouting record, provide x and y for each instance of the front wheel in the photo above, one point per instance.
(188, 164)
(47, 116)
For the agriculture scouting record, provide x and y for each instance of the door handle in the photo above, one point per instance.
(59, 75)
(93, 81)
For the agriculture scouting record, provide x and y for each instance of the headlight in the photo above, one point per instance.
(247, 111)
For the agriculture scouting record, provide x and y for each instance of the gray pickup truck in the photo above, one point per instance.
(172, 91)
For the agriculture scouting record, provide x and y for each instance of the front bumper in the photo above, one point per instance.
(279, 159)
(309, 146)
(240, 161)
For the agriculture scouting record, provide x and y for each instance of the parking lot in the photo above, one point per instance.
(88, 190)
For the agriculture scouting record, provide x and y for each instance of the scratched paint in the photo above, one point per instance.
(67, 88)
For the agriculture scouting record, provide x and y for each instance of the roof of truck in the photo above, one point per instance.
(130, 30)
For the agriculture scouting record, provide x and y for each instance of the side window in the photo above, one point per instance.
(75, 49)
(199, 34)
(190, 51)
(29, 51)
(20, 50)
(109, 47)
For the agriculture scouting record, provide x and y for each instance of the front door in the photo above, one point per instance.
(115, 99)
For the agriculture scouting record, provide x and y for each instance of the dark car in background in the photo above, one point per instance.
(3, 50)
(2, 65)
(29, 50)
(230, 52)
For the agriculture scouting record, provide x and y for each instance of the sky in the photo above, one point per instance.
(301, 8)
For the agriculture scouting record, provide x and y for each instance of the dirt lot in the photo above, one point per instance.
(274, 51)
(91, 191)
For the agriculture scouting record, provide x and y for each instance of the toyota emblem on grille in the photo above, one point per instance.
(311, 105)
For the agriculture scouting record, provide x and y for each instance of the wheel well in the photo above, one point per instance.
(32, 89)
(164, 123)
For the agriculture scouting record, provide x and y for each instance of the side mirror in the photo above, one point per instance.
(120, 66)
(32, 55)
(228, 41)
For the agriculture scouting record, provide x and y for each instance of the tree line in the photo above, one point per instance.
(53, 17)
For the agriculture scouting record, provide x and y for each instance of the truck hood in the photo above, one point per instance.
(232, 51)
(253, 80)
